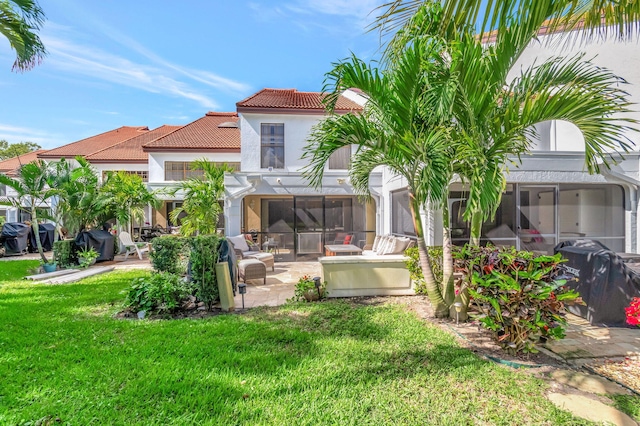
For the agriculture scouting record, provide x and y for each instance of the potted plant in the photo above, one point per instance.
(310, 289)
(87, 257)
(49, 266)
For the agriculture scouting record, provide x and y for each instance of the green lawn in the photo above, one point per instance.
(62, 355)
(16, 269)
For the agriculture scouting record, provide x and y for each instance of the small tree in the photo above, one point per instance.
(201, 195)
(77, 194)
(124, 196)
(8, 150)
(32, 189)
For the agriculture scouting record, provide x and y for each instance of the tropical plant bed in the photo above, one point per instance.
(471, 335)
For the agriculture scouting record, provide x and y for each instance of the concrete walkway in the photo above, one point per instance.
(280, 284)
(585, 343)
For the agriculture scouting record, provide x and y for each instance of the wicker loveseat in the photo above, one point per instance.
(246, 249)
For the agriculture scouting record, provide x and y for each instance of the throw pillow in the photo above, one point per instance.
(384, 244)
(376, 243)
(399, 245)
(239, 242)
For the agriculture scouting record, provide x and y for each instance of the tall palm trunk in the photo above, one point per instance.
(433, 288)
(447, 258)
(476, 229)
(36, 230)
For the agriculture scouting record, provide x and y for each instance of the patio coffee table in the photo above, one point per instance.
(341, 250)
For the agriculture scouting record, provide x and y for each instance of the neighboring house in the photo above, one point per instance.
(129, 155)
(215, 137)
(10, 167)
(93, 144)
(270, 196)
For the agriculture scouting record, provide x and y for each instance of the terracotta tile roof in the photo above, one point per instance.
(545, 29)
(290, 100)
(216, 131)
(130, 151)
(10, 166)
(96, 143)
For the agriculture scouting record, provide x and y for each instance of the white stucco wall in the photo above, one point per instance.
(296, 131)
(622, 58)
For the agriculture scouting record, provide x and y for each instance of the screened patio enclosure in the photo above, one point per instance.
(538, 216)
(298, 227)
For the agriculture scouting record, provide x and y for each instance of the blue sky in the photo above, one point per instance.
(148, 63)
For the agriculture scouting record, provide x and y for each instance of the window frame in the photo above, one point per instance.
(271, 144)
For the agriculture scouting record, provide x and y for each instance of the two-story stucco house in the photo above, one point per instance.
(270, 196)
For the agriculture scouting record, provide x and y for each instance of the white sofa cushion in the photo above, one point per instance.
(398, 245)
(239, 242)
(386, 245)
(376, 243)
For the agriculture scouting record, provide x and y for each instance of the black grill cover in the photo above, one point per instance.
(47, 235)
(101, 241)
(605, 283)
(15, 236)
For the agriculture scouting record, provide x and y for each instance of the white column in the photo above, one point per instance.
(233, 216)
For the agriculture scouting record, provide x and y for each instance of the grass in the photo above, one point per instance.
(16, 269)
(63, 355)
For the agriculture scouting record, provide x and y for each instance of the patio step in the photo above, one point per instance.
(71, 278)
(40, 277)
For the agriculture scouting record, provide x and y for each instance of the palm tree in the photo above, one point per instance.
(593, 15)
(493, 117)
(77, 198)
(397, 129)
(32, 189)
(201, 195)
(19, 22)
(124, 196)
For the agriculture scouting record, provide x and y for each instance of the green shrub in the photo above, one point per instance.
(161, 292)
(306, 290)
(170, 253)
(517, 294)
(87, 257)
(413, 264)
(64, 253)
(204, 256)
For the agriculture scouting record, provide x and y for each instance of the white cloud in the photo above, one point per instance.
(97, 64)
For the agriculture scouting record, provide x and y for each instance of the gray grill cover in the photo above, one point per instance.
(605, 283)
(101, 241)
(15, 238)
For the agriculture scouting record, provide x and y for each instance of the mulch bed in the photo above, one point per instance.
(625, 371)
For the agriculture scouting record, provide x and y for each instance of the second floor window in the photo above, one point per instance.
(272, 145)
(340, 159)
(3, 190)
(143, 174)
(181, 170)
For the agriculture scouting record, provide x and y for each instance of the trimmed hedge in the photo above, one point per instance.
(203, 259)
(170, 253)
(413, 264)
(64, 253)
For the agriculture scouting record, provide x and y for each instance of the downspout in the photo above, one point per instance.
(229, 198)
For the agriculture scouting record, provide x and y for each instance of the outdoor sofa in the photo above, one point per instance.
(380, 270)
